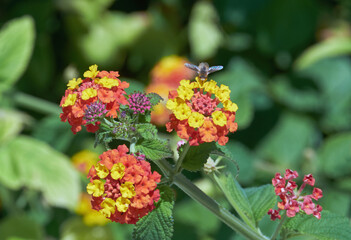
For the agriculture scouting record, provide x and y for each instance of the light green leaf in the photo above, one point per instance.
(154, 149)
(158, 224)
(154, 98)
(330, 227)
(329, 48)
(335, 155)
(11, 124)
(27, 162)
(75, 229)
(286, 142)
(204, 34)
(16, 45)
(261, 199)
(197, 156)
(146, 130)
(236, 196)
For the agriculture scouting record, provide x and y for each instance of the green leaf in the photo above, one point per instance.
(16, 45)
(330, 227)
(146, 130)
(27, 162)
(261, 200)
(335, 155)
(158, 224)
(329, 48)
(332, 78)
(11, 124)
(286, 142)
(205, 35)
(236, 196)
(134, 85)
(302, 100)
(20, 226)
(197, 156)
(74, 228)
(154, 149)
(154, 98)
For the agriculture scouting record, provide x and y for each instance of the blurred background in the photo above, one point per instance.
(287, 63)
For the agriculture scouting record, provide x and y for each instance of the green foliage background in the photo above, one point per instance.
(287, 63)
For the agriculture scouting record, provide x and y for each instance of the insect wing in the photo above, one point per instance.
(192, 66)
(215, 69)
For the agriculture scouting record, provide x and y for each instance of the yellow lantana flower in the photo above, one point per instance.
(74, 83)
(92, 72)
(122, 204)
(70, 100)
(108, 207)
(88, 93)
(101, 170)
(182, 112)
(223, 93)
(219, 118)
(211, 86)
(108, 82)
(117, 171)
(196, 120)
(185, 93)
(96, 188)
(127, 190)
(230, 106)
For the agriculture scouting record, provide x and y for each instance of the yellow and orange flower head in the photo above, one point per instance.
(100, 93)
(123, 188)
(202, 112)
(165, 76)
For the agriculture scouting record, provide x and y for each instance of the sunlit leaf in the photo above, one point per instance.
(205, 35)
(11, 124)
(329, 48)
(16, 45)
(27, 162)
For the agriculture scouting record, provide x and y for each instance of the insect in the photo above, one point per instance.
(203, 69)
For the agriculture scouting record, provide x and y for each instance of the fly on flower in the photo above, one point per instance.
(203, 69)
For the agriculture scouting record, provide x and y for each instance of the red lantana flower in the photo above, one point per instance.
(291, 199)
(201, 112)
(123, 188)
(98, 87)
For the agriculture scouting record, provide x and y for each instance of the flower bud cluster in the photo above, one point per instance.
(139, 103)
(292, 199)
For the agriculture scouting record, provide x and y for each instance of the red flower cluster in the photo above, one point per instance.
(103, 87)
(292, 200)
(123, 188)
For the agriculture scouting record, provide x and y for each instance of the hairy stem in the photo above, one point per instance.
(195, 193)
(277, 230)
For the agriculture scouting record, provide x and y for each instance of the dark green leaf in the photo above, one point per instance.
(158, 224)
(197, 156)
(16, 45)
(154, 149)
(261, 199)
(27, 162)
(335, 155)
(330, 227)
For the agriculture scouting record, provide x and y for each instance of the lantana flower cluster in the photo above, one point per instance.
(88, 100)
(292, 199)
(123, 188)
(202, 112)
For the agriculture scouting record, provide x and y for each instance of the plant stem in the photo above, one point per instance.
(181, 158)
(277, 230)
(195, 193)
(36, 104)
